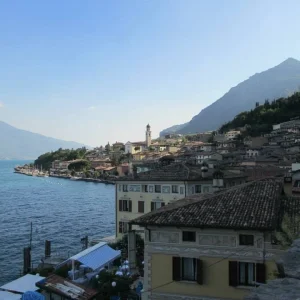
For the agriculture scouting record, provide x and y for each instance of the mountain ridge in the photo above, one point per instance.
(279, 81)
(22, 144)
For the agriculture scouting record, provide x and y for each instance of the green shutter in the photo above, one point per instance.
(199, 271)
(233, 273)
(261, 273)
(176, 268)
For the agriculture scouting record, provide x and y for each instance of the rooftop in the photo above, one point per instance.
(180, 172)
(65, 288)
(253, 205)
(22, 284)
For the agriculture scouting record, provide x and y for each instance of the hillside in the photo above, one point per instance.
(261, 119)
(21, 144)
(172, 129)
(280, 81)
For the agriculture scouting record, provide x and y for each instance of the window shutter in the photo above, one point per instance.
(141, 206)
(233, 273)
(199, 271)
(130, 205)
(152, 206)
(120, 227)
(261, 273)
(176, 268)
(120, 205)
(162, 204)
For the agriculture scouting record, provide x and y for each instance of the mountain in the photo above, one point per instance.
(172, 129)
(21, 144)
(280, 81)
(260, 120)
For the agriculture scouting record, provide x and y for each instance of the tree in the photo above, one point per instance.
(79, 166)
(104, 285)
(137, 148)
(96, 174)
(87, 174)
(73, 173)
(290, 230)
(210, 139)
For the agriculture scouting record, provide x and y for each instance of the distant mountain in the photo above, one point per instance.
(172, 129)
(280, 81)
(21, 144)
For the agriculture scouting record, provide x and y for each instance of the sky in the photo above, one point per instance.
(97, 71)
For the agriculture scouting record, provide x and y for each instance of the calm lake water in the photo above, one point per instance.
(61, 210)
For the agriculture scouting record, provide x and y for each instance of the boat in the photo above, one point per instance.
(75, 178)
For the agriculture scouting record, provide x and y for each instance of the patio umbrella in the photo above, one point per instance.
(32, 296)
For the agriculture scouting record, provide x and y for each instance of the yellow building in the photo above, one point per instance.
(148, 191)
(212, 247)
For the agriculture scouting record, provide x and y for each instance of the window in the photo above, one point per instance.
(123, 227)
(206, 189)
(120, 187)
(166, 189)
(246, 239)
(175, 189)
(151, 189)
(125, 188)
(246, 273)
(157, 188)
(189, 236)
(140, 206)
(156, 205)
(187, 269)
(181, 190)
(145, 188)
(197, 189)
(125, 205)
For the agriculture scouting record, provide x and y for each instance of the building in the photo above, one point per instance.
(213, 247)
(147, 191)
(60, 165)
(118, 146)
(230, 135)
(253, 152)
(137, 147)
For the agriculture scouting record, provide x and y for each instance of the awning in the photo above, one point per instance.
(23, 284)
(9, 296)
(97, 256)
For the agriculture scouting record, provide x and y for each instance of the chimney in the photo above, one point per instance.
(204, 170)
(218, 181)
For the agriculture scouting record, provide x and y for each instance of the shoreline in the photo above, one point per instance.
(84, 179)
(70, 178)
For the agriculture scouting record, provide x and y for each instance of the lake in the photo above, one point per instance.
(61, 210)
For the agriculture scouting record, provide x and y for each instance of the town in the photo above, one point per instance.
(188, 208)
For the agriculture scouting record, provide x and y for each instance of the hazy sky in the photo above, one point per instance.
(98, 71)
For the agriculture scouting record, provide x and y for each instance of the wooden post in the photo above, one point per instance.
(26, 260)
(47, 248)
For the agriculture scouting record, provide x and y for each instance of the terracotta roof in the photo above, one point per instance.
(180, 172)
(250, 206)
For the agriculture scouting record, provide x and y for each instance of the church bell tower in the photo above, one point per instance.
(148, 136)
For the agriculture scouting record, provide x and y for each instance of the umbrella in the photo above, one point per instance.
(32, 296)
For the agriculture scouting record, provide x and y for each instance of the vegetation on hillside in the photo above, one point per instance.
(45, 160)
(79, 165)
(260, 120)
